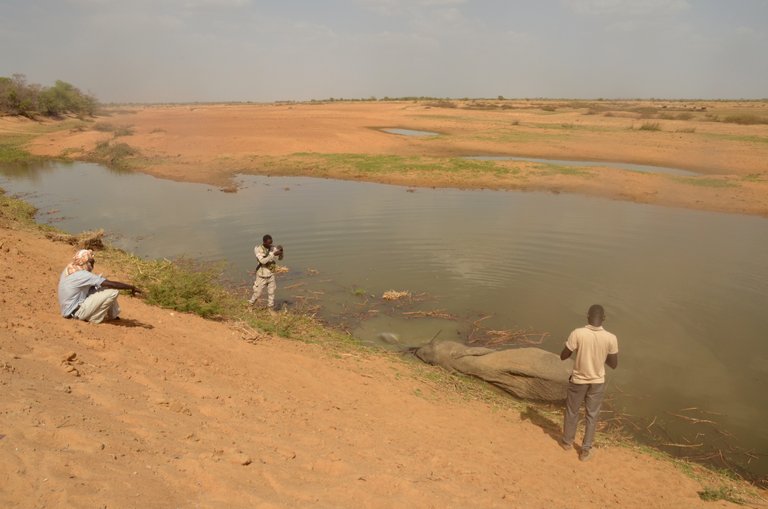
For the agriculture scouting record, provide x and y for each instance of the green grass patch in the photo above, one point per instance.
(182, 285)
(13, 210)
(710, 494)
(521, 136)
(556, 169)
(706, 182)
(12, 149)
(736, 137)
(389, 164)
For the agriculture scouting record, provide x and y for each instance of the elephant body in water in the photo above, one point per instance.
(529, 373)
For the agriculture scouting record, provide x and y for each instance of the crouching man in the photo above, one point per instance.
(84, 295)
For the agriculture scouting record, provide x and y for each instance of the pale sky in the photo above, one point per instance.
(257, 50)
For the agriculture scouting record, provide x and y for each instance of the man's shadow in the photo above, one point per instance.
(129, 322)
(548, 426)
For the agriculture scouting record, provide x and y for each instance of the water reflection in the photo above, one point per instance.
(684, 290)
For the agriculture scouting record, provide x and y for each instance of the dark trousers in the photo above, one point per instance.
(592, 397)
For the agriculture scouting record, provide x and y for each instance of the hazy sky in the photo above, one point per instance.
(256, 50)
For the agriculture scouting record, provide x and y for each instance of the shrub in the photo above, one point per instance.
(123, 131)
(183, 285)
(745, 119)
(442, 104)
(112, 154)
(722, 493)
(104, 127)
(650, 126)
(645, 111)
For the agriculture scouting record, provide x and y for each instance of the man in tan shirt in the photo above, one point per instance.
(594, 348)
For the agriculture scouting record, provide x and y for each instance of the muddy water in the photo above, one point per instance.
(685, 291)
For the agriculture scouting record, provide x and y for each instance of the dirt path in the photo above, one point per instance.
(211, 143)
(168, 410)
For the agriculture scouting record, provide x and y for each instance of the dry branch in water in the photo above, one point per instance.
(683, 445)
(692, 419)
(490, 337)
(85, 240)
(395, 295)
(437, 313)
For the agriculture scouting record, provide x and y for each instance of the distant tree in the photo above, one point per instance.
(17, 97)
(65, 98)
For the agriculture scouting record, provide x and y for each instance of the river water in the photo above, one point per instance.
(685, 291)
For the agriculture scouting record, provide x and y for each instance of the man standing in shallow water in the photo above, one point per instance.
(594, 347)
(267, 255)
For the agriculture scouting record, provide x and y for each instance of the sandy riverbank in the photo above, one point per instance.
(211, 143)
(164, 409)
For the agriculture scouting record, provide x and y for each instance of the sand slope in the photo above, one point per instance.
(170, 410)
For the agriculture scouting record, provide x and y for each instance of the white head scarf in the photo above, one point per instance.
(83, 260)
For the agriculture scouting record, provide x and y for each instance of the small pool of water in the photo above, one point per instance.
(409, 132)
(600, 164)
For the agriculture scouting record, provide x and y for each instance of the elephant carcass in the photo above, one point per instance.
(529, 373)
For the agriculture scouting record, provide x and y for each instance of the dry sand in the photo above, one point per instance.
(163, 409)
(211, 143)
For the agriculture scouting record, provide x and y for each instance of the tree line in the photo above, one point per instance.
(17, 97)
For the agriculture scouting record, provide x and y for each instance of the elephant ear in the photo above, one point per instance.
(475, 351)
